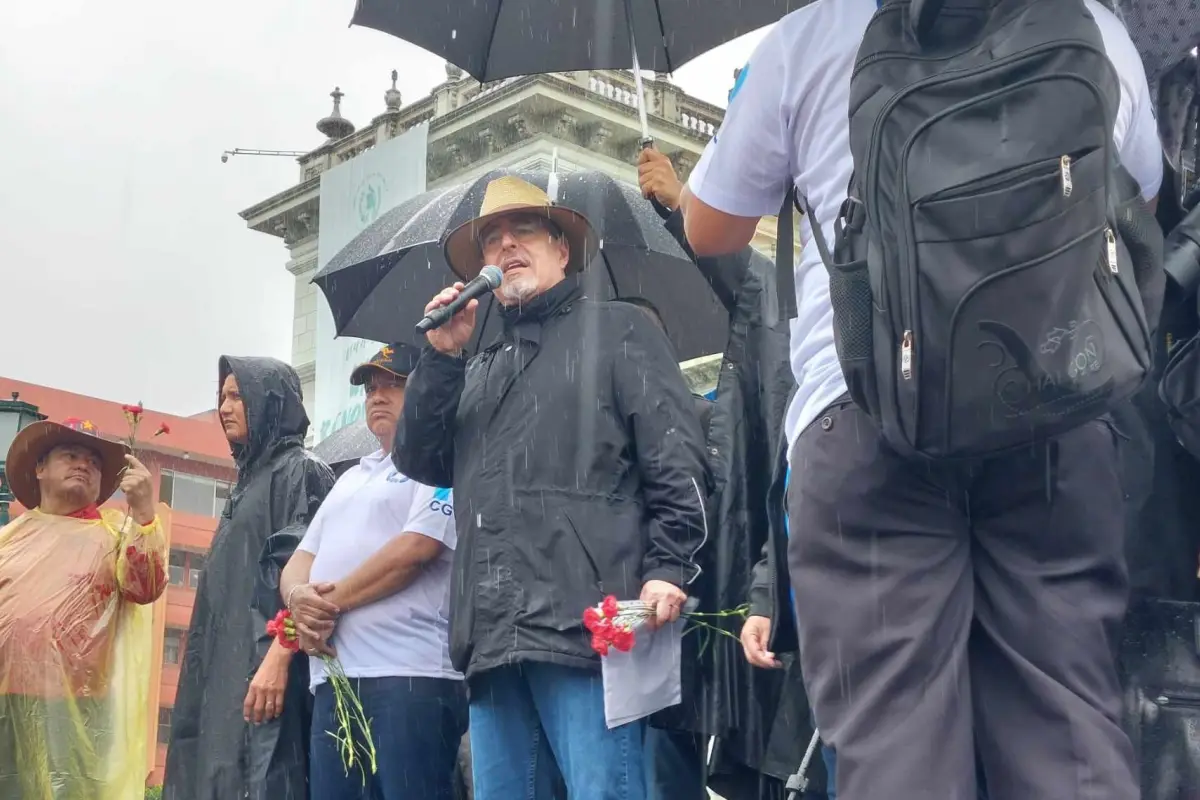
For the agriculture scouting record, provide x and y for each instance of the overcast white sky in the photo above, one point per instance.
(124, 268)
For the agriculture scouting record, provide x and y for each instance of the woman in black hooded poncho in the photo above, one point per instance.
(214, 753)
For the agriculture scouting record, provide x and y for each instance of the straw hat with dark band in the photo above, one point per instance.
(34, 442)
(511, 195)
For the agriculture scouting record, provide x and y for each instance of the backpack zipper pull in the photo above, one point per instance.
(906, 348)
(1065, 168)
(1111, 240)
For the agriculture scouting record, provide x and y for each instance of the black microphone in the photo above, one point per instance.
(488, 280)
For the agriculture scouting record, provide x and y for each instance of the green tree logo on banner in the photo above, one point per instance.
(368, 200)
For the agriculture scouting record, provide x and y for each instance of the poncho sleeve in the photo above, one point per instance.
(142, 550)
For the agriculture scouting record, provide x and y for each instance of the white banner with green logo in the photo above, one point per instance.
(353, 195)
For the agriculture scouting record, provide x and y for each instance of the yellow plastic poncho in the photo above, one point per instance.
(76, 629)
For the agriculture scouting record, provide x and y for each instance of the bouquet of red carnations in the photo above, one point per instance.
(613, 622)
(354, 729)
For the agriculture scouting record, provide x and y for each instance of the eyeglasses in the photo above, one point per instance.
(524, 229)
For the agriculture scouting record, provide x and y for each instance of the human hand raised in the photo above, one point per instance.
(657, 178)
(452, 337)
(138, 487)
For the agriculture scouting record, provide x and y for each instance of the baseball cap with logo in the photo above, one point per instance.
(398, 359)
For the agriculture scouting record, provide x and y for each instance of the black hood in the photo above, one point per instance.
(274, 403)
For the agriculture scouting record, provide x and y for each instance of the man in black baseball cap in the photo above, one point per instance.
(397, 360)
(372, 579)
(384, 377)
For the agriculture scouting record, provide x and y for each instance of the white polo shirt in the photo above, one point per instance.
(406, 634)
(788, 121)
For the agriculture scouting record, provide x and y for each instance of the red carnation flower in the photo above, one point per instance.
(164, 428)
(609, 607)
(622, 639)
(600, 645)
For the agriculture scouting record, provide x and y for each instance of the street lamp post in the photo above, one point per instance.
(15, 414)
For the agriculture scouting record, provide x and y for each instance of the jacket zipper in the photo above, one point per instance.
(1064, 169)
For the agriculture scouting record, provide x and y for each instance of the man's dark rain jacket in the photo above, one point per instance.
(214, 754)
(576, 459)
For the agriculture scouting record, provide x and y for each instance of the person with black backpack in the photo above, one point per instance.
(968, 313)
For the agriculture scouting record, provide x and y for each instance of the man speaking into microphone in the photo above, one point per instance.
(578, 469)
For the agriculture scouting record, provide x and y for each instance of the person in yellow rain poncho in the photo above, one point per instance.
(76, 585)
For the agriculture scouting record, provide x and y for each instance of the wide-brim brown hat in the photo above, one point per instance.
(38, 439)
(512, 195)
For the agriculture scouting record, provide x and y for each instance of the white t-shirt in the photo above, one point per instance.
(787, 120)
(406, 634)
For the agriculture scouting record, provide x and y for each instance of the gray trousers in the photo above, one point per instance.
(946, 606)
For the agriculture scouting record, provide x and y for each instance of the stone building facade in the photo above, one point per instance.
(577, 121)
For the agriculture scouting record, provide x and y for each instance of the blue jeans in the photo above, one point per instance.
(532, 721)
(830, 759)
(416, 725)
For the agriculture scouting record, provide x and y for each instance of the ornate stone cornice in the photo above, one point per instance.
(480, 124)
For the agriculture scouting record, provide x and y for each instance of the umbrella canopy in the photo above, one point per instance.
(346, 447)
(378, 285)
(494, 39)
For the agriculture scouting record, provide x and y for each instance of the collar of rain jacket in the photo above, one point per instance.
(275, 416)
(525, 320)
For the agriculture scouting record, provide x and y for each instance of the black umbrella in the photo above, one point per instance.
(640, 258)
(494, 39)
(346, 446)
(378, 285)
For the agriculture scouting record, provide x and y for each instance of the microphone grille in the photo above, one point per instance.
(492, 275)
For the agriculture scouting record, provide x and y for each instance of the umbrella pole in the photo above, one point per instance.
(637, 78)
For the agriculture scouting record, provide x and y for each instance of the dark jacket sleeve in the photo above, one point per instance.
(725, 274)
(654, 399)
(762, 604)
(424, 445)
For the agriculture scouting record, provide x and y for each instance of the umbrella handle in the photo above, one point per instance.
(646, 143)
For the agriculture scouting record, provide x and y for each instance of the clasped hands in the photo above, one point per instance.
(315, 617)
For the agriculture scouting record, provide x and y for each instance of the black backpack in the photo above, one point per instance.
(983, 294)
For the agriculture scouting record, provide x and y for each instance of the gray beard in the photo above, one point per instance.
(517, 291)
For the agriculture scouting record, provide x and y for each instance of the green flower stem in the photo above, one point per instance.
(350, 715)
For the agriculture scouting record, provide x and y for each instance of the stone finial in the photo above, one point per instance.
(453, 73)
(392, 98)
(335, 126)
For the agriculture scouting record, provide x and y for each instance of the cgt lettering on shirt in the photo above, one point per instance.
(439, 502)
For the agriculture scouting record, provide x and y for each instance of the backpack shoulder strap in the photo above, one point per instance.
(785, 256)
